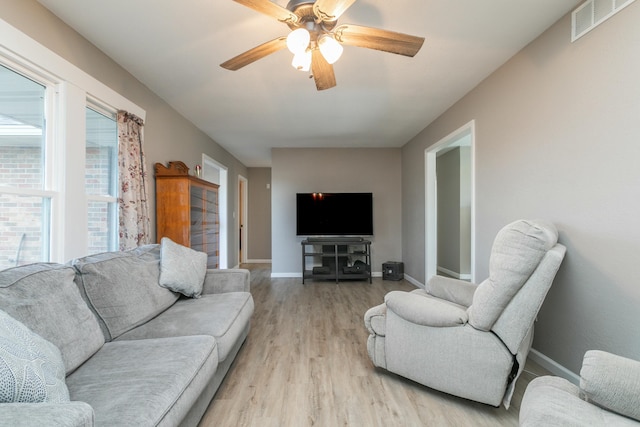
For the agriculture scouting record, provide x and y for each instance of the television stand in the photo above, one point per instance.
(342, 258)
(334, 239)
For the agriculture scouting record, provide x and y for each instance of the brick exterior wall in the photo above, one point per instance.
(97, 182)
(21, 226)
(20, 216)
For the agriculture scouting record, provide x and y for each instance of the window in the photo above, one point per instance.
(25, 199)
(101, 180)
(58, 155)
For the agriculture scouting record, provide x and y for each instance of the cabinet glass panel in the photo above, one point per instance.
(197, 218)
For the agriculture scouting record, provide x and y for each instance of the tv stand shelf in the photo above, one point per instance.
(339, 258)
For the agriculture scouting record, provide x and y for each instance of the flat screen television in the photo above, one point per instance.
(334, 214)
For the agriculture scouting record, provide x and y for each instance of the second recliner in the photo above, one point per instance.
(470, 340)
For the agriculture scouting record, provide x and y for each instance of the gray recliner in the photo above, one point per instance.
(470, 340)
(608, 395)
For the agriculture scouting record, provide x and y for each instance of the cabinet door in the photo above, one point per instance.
(173, 216)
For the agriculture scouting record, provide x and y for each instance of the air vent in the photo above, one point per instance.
(592, 13)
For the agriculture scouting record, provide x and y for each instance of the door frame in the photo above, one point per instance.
(431, 197)
(243, 208)
(223, 209)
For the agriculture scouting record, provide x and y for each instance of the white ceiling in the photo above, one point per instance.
(381, 99)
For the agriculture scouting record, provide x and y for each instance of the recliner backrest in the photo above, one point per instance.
(517, 252)
(518, 317)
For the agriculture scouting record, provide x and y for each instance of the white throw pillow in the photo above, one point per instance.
(31, 368)
(182, 269)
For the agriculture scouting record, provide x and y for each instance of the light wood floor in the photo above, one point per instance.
(305, 363)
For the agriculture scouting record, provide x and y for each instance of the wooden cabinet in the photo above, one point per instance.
(187, 210)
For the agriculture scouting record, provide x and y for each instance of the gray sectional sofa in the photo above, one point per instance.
(133, 353)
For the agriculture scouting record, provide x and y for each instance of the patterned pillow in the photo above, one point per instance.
(182, 269)
(31, 368)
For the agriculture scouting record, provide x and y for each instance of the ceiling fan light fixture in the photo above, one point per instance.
(316, 39)
(330, 48)
(298, 40)
(302, 61)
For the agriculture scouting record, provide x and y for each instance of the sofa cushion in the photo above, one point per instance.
(182, 269)
(44, 297)
(517, 251)
(145, 382)
(31, 368)
(70, 414)
(223, 316)
(122, 288)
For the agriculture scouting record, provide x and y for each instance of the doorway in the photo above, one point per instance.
(462, 240)
(242, 219)
(217, 173)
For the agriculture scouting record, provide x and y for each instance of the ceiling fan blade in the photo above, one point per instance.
(322, 71)
(330, 10)
(254, 54)
(375, 38)
(271, 9)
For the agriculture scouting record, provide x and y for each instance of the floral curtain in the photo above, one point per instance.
(133, 210)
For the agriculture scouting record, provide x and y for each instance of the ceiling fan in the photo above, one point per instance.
(316, 40)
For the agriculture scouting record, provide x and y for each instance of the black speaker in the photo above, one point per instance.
(392, 270)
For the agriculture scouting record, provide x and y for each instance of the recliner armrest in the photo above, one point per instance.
(611, 382)
(374, 320)
(453, 290)
(425, 310)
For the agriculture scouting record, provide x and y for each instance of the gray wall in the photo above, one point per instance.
(259, 227)
(557, 137)
(335, 170)
(168, 135)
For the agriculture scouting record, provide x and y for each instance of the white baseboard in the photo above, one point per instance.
(285, 275)
(258, 261)
(554, 367)
(413, 281)
(454, 274)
